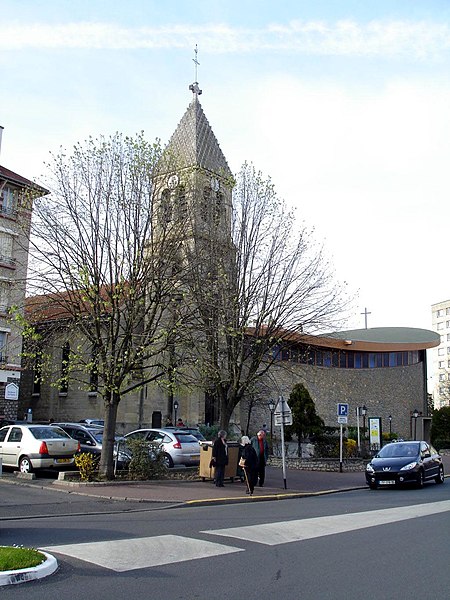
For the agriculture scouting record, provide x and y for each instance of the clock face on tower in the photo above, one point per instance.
(214, 184)
(172, 182)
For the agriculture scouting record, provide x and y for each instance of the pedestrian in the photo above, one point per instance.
(249, 463)
(169, 422)
(261, 447)
(220, 457)
(180, 423)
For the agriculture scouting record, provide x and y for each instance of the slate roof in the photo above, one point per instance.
(19, 180)
(193, 144)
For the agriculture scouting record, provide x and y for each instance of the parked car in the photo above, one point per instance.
(191, 430)
(401, 463)
(179, 447)
(31, 447)
(95, 422)
(91, 439)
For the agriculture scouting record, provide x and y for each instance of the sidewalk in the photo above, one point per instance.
(198, 492)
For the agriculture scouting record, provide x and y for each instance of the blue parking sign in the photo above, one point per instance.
(342, 410)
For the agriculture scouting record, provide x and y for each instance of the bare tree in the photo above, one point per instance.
(105, 269)
(255, 293)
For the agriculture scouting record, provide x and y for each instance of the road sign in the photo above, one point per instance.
(283, 414)
(342, 420)
(342, 410)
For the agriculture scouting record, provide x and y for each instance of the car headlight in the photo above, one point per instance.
(370, 469)
(409, 466)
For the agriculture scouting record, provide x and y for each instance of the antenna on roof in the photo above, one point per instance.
(194, 86)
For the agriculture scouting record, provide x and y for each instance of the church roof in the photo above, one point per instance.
(193, 144)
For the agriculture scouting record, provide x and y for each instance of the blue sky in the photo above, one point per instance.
(345, 104)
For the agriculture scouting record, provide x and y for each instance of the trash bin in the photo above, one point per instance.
(206, 472)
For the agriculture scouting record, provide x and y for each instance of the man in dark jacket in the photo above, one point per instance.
(220, 457)
(261, 447)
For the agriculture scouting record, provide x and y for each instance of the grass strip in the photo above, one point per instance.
(13, 558)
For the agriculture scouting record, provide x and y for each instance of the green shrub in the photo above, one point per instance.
(87, 464)
(147, 461)
(442, 444)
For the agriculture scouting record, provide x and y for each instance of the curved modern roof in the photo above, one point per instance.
(380, 339)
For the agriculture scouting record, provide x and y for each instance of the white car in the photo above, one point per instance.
(30, 447)
(179, 448)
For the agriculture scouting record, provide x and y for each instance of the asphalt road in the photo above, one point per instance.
(384, 544)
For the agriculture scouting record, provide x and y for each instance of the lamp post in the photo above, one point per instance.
(364, 413)
(271, 404)
(175, 408)
(390, 427)
(415, 414)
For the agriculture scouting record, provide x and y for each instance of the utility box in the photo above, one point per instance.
(207, 472)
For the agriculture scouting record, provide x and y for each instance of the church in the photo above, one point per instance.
(383, 370)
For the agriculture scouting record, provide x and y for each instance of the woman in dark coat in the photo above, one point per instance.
(220, 457)
(250, 458)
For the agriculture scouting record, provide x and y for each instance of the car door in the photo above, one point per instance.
(3, 434)
(12, 446)
(429, 462)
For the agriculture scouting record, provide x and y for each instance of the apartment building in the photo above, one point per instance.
(440, 317)
(16, 195)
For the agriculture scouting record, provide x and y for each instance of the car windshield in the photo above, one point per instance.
(48, 433)
(399, 450)
(99, 436)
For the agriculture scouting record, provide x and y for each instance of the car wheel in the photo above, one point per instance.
(440, 477)
(25, 465)
(420, 479)
(167, 460)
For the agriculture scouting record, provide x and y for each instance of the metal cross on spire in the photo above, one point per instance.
(194, 86)
(365, 313)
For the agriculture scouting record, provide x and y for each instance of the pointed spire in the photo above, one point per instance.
(193, 144)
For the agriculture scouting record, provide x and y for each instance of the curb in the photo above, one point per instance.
(48, 567)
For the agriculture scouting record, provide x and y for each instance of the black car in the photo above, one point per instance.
(405, 462)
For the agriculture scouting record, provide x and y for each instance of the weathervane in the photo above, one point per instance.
(194, 86)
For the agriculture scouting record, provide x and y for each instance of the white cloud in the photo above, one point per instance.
(342, 38)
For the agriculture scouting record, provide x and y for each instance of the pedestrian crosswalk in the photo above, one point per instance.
(139, 553)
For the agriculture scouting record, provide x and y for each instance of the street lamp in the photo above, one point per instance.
(415, 415)
(271, 404)
(175, 408)
(390, 427)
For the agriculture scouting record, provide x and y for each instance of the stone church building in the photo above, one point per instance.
(383, 369)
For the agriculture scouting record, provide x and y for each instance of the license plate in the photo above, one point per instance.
(60, 461)
(195, 456)
(386, 482)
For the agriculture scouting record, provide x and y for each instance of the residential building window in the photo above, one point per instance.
(442, 377)
(447, 311)
(447, 323)
(448, 337)
(441, 364)
(8, 200)
(441, 351)
(439, 312)
(93, 376)
(448, 364)
(6, 247)
(440, 325)
(5, 288)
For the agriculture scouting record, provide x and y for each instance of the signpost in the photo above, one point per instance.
(342, 417)
(283, 416)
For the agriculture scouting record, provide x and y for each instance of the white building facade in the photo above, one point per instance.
(440, 317)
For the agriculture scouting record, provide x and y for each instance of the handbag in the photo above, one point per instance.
(212, 463)
(242, 462)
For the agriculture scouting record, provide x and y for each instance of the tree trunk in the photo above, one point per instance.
(106, 467)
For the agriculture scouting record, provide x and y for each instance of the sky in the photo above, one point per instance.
(344, 104)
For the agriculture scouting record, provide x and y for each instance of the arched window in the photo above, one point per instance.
(166, 207)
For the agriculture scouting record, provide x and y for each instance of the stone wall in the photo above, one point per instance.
(319, 464)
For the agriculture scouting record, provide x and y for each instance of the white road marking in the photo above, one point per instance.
(141, 553)
(285, 532)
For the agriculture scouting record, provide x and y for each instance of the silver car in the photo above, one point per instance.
(30, 447)
(179, 447)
